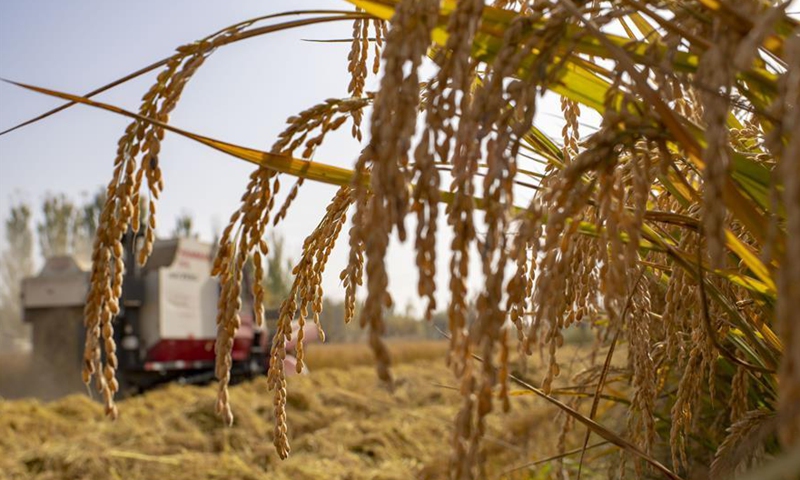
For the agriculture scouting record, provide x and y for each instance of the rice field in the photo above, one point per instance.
(345, 424)
(670, 228)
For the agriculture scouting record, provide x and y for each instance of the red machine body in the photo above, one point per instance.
(166, 328)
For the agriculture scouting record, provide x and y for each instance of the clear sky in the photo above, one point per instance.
(242, 94)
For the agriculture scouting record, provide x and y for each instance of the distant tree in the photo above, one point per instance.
(90, 217)
(439, 323)
(87, 221)
(216, 230)
(332, 320)
(184, 226)
(59, 226)
(17, 263)
(277, 274)
(404, 325)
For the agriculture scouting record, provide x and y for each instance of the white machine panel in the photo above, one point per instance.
(187, 296)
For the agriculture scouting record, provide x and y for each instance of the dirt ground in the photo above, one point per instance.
(344, 424)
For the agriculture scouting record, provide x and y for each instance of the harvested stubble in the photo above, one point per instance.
(345, 424)
(343, 355)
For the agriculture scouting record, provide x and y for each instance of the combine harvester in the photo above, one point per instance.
(166, 328)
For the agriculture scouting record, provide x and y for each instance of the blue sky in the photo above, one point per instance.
(242, 94)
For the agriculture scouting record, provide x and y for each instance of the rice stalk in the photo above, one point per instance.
(693, 169)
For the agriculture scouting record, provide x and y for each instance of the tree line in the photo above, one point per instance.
(67, 227)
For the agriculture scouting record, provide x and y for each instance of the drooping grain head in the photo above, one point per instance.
(630, 200)
(386, 157)
(307, 290)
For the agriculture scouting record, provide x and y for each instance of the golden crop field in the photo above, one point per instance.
(345, 424)
(626, 168)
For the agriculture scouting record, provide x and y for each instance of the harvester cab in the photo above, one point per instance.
(166, 327)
